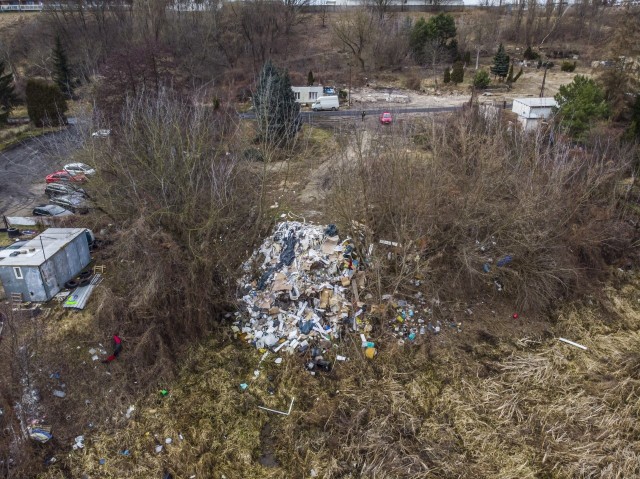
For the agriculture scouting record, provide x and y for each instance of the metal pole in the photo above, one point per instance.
(349, 85)
(42, 245)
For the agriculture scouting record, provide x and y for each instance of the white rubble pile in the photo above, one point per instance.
(296, 287)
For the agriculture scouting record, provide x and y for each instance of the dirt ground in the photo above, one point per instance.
(381, 93)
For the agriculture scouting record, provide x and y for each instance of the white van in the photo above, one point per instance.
(326, 103)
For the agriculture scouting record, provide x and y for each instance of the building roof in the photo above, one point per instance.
(52, 239)
(537, 102)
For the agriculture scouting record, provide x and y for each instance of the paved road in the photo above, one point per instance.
(309, 115)
(23, 168)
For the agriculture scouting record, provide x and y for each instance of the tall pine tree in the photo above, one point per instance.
(7, 94)
(277, 113)
(61, 70)
(500, 67)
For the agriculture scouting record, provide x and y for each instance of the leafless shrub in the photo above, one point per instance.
(478, 192)
(188, 209)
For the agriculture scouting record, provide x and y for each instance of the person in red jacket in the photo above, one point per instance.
(117, 349)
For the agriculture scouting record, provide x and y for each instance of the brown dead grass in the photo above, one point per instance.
(548, 410)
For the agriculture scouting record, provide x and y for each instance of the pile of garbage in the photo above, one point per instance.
(299, 292)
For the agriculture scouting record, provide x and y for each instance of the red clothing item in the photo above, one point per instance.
(116, 350)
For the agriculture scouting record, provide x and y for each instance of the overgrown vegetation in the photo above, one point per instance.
(529, 199)
(188, 211)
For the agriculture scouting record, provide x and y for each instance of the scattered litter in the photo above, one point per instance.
(572, 343)
(313, 473)
(164, 392)
(79, 298)
(125, 452)
(280, 412)
(370, 353)
(159, 448)
(278, 360)
(168, 440)
(40, 434)
(129, 412)
(341, 358)
(244, 386)
(102, 462)
(515, 316)
(389, 243)
(78, 443)
(504, 261)
(59, 394)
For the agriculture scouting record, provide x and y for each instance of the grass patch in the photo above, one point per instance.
(14, 135)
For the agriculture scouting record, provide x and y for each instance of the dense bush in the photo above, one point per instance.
(568, 66)
(481, 79)
(46, 104)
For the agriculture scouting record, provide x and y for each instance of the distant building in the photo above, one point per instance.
(307, 94)
(532, 111)
(39, 269)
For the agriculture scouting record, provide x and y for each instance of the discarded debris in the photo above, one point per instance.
(58, 393)
(299, 297)
(280, 412)
(572, 343)
(78, 443)
(40, 434)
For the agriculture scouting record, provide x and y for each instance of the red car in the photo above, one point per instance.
(386, 118)
(63, 175)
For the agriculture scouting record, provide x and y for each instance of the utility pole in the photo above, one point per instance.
(544, 78)
(349, 84)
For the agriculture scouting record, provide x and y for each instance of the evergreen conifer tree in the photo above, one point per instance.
(500, 67)
(457, 74)
(61, 70)
(7, 94)
(447, 75)
(310, 79)
(277, 113)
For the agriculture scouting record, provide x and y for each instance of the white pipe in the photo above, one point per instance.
(573, 344)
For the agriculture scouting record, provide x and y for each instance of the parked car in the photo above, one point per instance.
(50, 210)
(64, 176)
(79, 169)
(386, 118)
(74, 203)
(61, 189)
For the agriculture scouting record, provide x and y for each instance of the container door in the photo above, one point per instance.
(49, 278)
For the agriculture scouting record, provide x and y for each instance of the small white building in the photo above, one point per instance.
(531, 111)
(307, 94)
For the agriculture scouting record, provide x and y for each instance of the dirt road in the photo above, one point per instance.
(23, 168)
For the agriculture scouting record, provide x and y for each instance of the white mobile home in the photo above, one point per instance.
(531, 111)
(307, 94)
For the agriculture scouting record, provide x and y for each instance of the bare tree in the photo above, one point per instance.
(355, 32)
